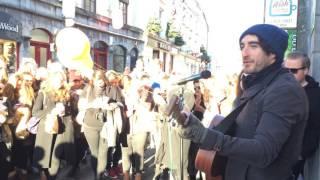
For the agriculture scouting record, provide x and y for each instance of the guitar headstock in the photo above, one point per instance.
(174, 103)
(174, 109)
(179, 100)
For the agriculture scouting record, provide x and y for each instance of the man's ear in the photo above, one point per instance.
(273, 56)
(306, 71)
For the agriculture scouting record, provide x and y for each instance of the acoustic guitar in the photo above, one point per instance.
(204, 158)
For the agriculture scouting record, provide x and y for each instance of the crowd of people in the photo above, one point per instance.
(53, 117)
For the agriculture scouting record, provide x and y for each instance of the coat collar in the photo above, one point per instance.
(262, 84)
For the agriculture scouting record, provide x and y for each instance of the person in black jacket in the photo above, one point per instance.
(299, 64)
(267, 133)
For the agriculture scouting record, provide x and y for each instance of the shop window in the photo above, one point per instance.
(133, 58)
(119, 58)
(40, 46)
(8, 53)
(100, 54)
(156, 54)
(164, 62)
(171, 63)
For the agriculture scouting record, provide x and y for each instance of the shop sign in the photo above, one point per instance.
(292, 41)
(10, 28)
(164, 46)
(282, 13)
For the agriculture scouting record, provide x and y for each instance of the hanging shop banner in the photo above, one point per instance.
(282, 13)
(10, 28)
(292, 41)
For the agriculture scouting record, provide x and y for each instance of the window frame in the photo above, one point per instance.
(124, 8)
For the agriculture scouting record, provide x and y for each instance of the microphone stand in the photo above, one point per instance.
(174, 123)
(181, 103)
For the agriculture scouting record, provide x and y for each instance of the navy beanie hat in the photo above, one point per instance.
(273, 36)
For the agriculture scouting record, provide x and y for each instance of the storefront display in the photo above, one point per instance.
(10, 36)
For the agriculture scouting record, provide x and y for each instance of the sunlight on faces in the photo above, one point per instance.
(98, 80)
(207, 84)
(254, 59)
(57, 80)
(99, 83)
(42, 73)
(213, 91)
(28, 65)
(112, 76)
(28, 79)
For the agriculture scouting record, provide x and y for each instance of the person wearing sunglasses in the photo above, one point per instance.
(198, 110)
(298, 63)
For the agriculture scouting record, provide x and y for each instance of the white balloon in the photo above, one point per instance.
(73, 49)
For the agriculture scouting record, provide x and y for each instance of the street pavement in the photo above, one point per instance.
(85, 171)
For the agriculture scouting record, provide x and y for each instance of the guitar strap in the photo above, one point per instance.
(226, 125)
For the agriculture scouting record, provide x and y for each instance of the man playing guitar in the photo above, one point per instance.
(267, 131)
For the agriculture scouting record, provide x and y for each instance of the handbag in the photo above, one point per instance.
(33, 123)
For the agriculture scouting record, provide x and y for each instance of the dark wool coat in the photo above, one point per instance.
(312, 131)
(48, 146)
(268, 131)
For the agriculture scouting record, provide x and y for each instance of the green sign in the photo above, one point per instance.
(292, 42)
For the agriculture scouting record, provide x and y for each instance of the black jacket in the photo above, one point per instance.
(268, 131)
(312, 131)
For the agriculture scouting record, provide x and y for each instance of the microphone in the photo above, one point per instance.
(203, 75)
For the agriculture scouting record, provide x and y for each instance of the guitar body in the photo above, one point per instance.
(204, 159)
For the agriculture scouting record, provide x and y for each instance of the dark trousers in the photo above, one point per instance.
(298, 169)
(193, 150)
(22, 152)
(81, 147)
(5, 165)
(114, 155)
(4, 169)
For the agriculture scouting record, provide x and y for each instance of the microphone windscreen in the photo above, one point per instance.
(205, 74)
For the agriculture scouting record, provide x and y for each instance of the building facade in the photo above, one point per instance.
(174, 32)
(28, 28)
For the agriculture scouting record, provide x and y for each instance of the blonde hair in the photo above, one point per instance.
(59, 95)
(25, 92)
(126, 81)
